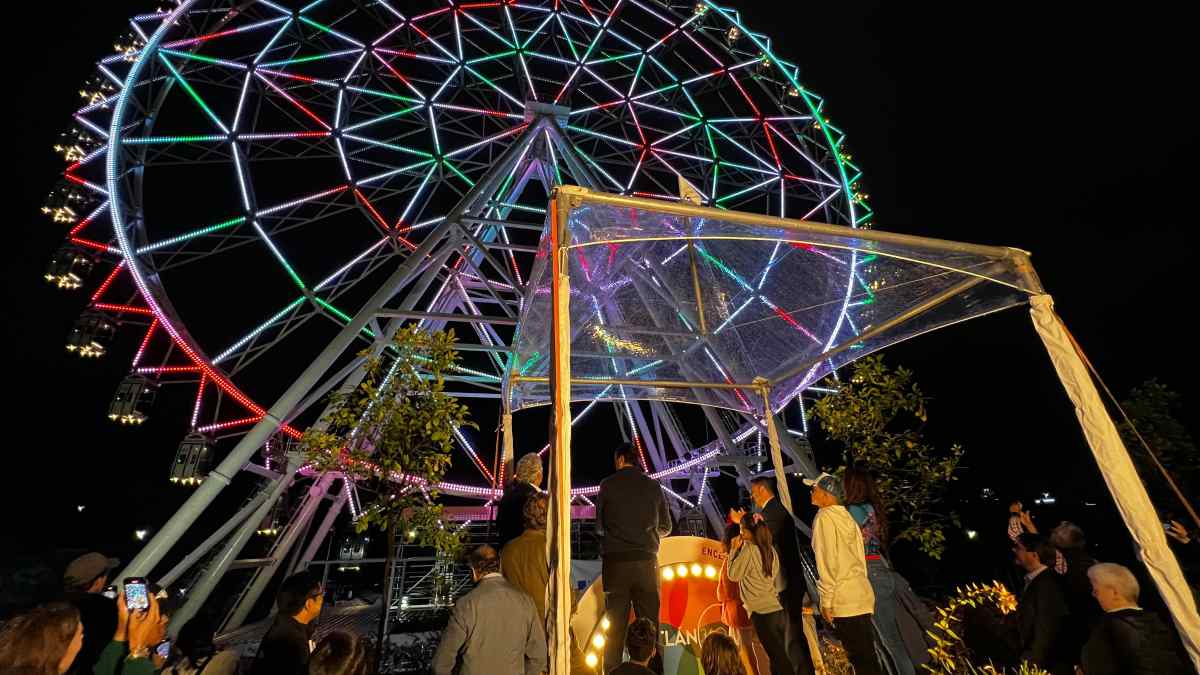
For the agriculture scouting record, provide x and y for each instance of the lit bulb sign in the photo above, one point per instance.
(689, 568)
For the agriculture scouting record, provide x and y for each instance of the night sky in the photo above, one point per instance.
(1067, 132)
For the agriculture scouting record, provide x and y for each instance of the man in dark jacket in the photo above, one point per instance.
(631, 515)
(285, 648)
(526, 482)
(1128, 640)
(783, 533)
(1069, 539)
(1042, 609)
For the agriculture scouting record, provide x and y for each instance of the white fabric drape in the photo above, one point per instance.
(1115, 464)
(781, 483)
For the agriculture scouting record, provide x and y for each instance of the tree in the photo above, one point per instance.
(393, 435)
(876, 417)
(1151, 407)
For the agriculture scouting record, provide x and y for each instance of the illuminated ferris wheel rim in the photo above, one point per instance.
(165, 315)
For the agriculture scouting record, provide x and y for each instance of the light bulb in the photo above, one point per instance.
(668, 573)
(591, 660)
(710, 571)
(681, 570)
(605, 623)
(598, 641)
(697, 570)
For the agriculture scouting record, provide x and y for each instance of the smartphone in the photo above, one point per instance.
(1167, 526)
(137, 596)
(164, 649)
(110, 592)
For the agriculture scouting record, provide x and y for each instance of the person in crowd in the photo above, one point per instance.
(494, 628)
(847, 600)
(733, 613)
(1071, 544)
(755, 566)
(1128, 640)
(864, 505)
(1180, 534)
(43, 641)
(641, 639)
(340, 653)
(83, 585)
(1020, 521)
(193, 652)
(1042, 608)
(132, 648)
(1069, 540)
(719, 656)
(631, 517)
(288, 643)
(783, 533)
(510, 512)
(523, 560)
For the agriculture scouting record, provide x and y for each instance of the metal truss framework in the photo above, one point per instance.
(428, 143)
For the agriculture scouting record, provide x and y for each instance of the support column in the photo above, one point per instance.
(199, 593)
(263, 575)
(559, 544)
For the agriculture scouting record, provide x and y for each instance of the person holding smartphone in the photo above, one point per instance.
(141, 627)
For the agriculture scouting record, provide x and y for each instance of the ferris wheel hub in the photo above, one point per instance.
(535, 109)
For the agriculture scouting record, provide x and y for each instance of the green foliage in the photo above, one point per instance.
(876, 418)
(399, 421)
(1151, 407)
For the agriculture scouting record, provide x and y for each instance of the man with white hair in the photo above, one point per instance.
(1128, 640)
(510, 513)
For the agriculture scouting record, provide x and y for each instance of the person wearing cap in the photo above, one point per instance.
(83, 584)
(847, 600)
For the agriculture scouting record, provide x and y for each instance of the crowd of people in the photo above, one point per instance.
(92, 630)
(1074, 615)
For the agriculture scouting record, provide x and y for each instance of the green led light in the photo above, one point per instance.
(724, 268)
(491, 57)
(458, 173)
(155, 140)
(192, 235)
(384, 94)
(529, 362)
(191, 92)
(194, 57)
(341, 315)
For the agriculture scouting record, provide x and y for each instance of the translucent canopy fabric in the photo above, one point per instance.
(664, 295)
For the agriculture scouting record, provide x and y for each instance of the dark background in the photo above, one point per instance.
(1065, 129)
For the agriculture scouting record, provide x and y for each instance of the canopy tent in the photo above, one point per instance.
(640, 299)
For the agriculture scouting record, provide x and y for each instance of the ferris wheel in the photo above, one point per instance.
(265, 190)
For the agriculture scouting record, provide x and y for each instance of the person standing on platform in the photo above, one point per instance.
(783, 534)
(865, 506)
(631, 517)
(754, 566)
(523, 560)
(847, 600)
(510, 513)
